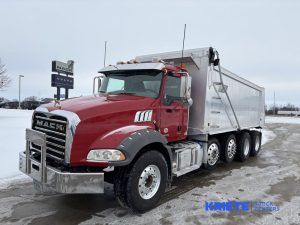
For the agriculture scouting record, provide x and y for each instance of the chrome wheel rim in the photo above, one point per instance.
(246, 147)
(231, 150)
(256, 143)
(213, 154)
(149, 182)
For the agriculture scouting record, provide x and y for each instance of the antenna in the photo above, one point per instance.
(105, 53)
(183, 45)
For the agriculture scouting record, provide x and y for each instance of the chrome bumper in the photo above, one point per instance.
(48, 177)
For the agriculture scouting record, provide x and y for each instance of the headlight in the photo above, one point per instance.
(106, 155)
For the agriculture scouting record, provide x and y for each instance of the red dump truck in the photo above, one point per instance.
(149, 120)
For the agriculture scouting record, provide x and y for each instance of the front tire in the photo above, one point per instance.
(144, 184)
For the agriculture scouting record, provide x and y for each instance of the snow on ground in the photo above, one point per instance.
(13, 123)
(267, 135)
(281, 119)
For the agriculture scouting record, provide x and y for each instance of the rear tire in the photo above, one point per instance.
(244, 146)
(256, 143)
(213, 154)
(141, 188)
(229, 148)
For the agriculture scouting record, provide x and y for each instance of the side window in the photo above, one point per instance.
(115, 85)
(172, 89)
(152, 85)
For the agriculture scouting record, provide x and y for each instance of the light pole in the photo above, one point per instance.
(20, 76)
(274, 108)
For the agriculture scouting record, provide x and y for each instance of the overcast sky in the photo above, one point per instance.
(258, 40)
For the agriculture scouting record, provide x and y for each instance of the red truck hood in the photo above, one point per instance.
(97, 105)
(102, 115)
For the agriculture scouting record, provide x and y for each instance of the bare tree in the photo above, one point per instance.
(4, 78)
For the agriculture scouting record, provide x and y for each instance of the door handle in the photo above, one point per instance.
(169, 110)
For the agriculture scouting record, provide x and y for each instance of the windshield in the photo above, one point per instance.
(138, 82)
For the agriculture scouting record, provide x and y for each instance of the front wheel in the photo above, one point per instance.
(145, 182)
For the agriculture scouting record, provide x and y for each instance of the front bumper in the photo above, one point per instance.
(51, 178)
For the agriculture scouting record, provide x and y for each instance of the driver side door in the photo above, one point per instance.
(173, 119)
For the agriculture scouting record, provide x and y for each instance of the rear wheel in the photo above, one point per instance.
(256, 143)
(244, 146)
(142, 186)
(229, 148)
(213, 153)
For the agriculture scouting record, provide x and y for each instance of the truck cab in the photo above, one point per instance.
(166, 87)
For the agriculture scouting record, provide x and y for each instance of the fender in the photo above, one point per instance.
(112, 139)
(131, 145)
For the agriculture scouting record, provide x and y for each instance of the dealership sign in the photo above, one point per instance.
(60, 79)
(65, 68)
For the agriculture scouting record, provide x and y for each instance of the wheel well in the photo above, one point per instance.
(222, 135)
(160, 148)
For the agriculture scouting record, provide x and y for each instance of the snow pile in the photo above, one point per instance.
(13, 123)
(281, 119)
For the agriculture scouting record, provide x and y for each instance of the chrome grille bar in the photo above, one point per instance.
(55, 145)
(54, 157)
(56, 139)
(53, 150)
(51, 131)
(47, 148)
(53, 120)
(35, 149)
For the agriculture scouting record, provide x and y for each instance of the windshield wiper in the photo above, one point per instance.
(126, 93)
(120, 93)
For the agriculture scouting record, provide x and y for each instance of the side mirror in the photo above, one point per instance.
(185, 90)
(99, 84)
(99, 81)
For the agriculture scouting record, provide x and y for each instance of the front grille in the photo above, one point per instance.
(54, 126)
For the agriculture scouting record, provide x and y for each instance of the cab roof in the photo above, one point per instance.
(133, 66)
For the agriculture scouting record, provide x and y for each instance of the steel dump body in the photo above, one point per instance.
(211, 112)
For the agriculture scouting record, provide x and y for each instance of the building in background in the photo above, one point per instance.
(29, 103)
(288, 113)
